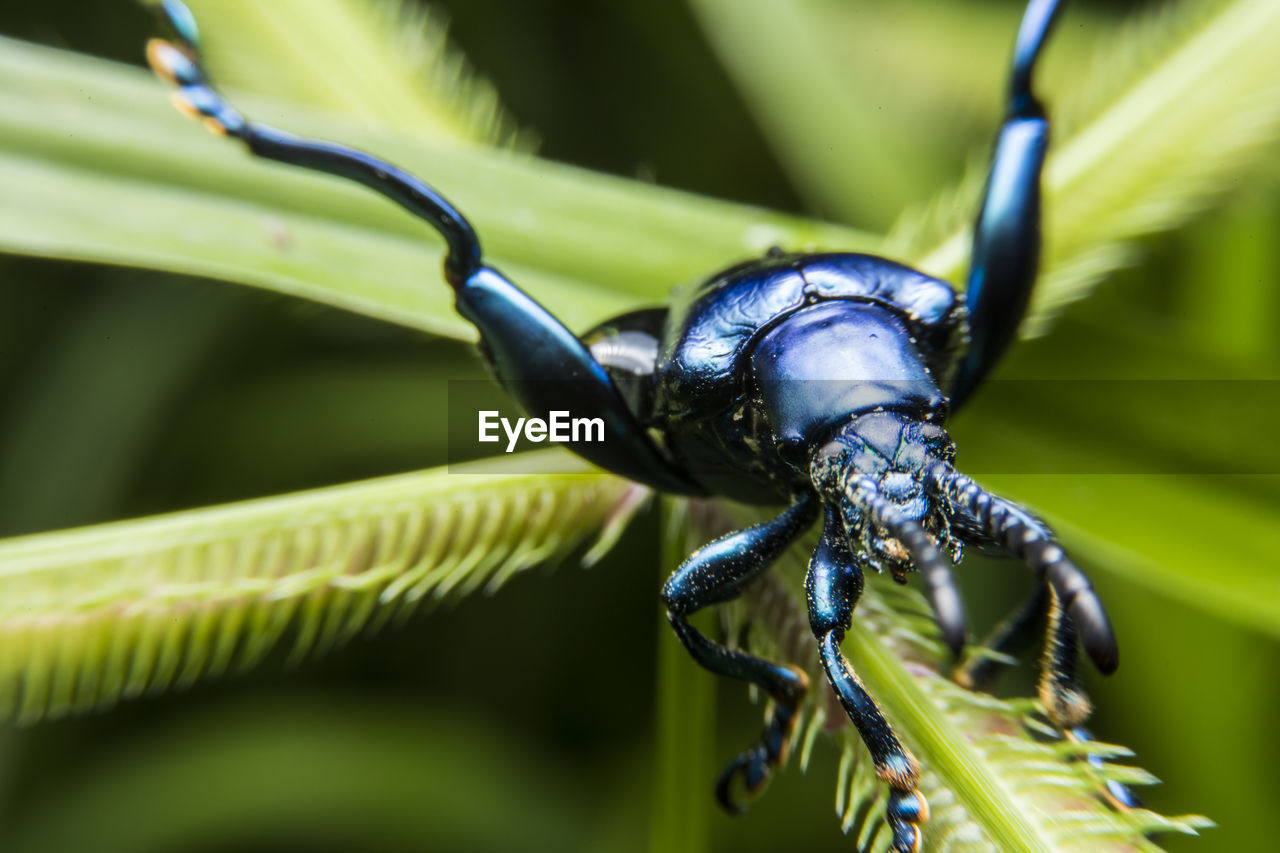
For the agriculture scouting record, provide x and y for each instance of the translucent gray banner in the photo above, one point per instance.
(1202, 427)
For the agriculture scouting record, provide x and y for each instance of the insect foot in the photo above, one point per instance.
(907, 809)
(756, 765)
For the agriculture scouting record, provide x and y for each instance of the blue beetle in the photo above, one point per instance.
(819, 381)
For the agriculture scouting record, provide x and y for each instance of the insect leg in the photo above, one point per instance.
(1059, 687)
(718, 572)
(1006, 239)
(1064, 700)
(987, 520)
(539, 361)
(1010, 638)
(833, 586)
(1117, 794)
(1059, 691)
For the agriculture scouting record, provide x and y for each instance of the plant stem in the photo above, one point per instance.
(685, 721)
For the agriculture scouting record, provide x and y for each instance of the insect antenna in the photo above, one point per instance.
(948, 607)
(1007, 525)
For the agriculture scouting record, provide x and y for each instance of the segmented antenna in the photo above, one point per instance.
(1028, 539)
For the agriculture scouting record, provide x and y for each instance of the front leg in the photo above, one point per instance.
(534, 356)
(832, 588)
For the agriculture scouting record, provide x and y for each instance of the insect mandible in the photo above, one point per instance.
(818, 381)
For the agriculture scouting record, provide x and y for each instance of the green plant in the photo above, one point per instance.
(96, 168)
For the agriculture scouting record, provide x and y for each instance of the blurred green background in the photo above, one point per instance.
(127, 392)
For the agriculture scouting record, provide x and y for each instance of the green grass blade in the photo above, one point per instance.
(1165, 143)
(814, 114)
(96, 166)
(302, 770)
(91, 615)
(686, 712)
(382, 62)
(987, 770)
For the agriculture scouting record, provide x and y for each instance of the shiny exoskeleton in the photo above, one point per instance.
(819, 381)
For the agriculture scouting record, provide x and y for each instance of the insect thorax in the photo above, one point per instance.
(760, 363)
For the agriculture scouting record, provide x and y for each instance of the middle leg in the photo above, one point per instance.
(1064, 699)
(1058, 688)
(718, 572)
(1010, 638)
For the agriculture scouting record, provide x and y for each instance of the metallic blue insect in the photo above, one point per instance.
(819, 381)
